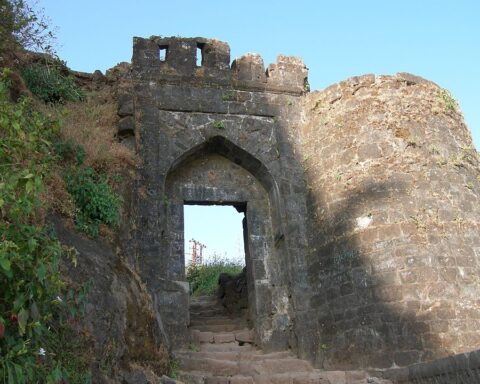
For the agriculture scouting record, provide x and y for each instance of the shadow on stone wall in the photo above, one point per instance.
(361, 317)
(392, 186)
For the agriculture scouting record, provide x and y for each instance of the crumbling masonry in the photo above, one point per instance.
(361, 200)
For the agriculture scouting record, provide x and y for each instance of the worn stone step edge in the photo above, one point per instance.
(241, 336)
(315, 377)
(200, 377)
(207, 309)
(218, 328)
(212, 366)
(203, 297)
(244, 367)
(252, 355)
(205, 302)
(217, 321)
(333, 377)
(207, 313)
(225, 347)
(223, 315)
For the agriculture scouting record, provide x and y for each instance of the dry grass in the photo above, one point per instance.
(93, 125)
(56, 195)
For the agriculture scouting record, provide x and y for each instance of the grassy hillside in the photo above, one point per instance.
(57, 154)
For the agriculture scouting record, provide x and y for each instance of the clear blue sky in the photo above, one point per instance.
(219, 228)
(436, 39)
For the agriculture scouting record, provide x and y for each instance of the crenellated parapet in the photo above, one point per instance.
(207, 62)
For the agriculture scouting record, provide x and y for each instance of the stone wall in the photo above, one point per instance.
(362, 201)
(393, 214)
(463, 368)
(184, 114)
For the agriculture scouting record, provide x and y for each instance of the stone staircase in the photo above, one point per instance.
(224, 353)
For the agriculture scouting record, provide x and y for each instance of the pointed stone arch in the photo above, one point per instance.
(217, 171)
(222, 146)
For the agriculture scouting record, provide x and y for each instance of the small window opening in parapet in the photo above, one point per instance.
(163, 52)
(199, 57)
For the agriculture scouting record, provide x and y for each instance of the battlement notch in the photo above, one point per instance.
(207, 61)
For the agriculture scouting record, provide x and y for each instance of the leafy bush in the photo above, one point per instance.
(70, 151)
(94, 199)
(203, 278)
(50, 85)
(34, 305)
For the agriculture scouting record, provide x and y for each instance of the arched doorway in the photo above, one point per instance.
(216, 172)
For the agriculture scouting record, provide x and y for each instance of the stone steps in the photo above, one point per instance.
(283, 378)
(225, 354)
(210, 312)
(225, 347)
(219, 327)
(316, 377)
(238, 336)
(212, 320)
(238, 355)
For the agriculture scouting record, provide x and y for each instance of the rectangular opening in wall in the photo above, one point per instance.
(163, 52)
(199, 56)
(214, 244)
(219, 228)
(214, 235)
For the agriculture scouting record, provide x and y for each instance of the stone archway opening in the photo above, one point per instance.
(218, 173)
(214, 232)
(217, 254)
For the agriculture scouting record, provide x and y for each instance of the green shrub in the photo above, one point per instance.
(173, 368)
(219, 124)
(34, 304)
(449, 102)
(50, 85)
(71, 152)
(95, 201)
(203, 278)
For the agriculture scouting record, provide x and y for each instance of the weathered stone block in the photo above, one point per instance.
(125, 105)
(205, 337)
(245, 336)
(223, 337)
(126, 126)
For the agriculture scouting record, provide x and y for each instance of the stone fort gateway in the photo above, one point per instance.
(361, 202)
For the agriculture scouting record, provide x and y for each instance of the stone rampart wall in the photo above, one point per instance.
(393, 214)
